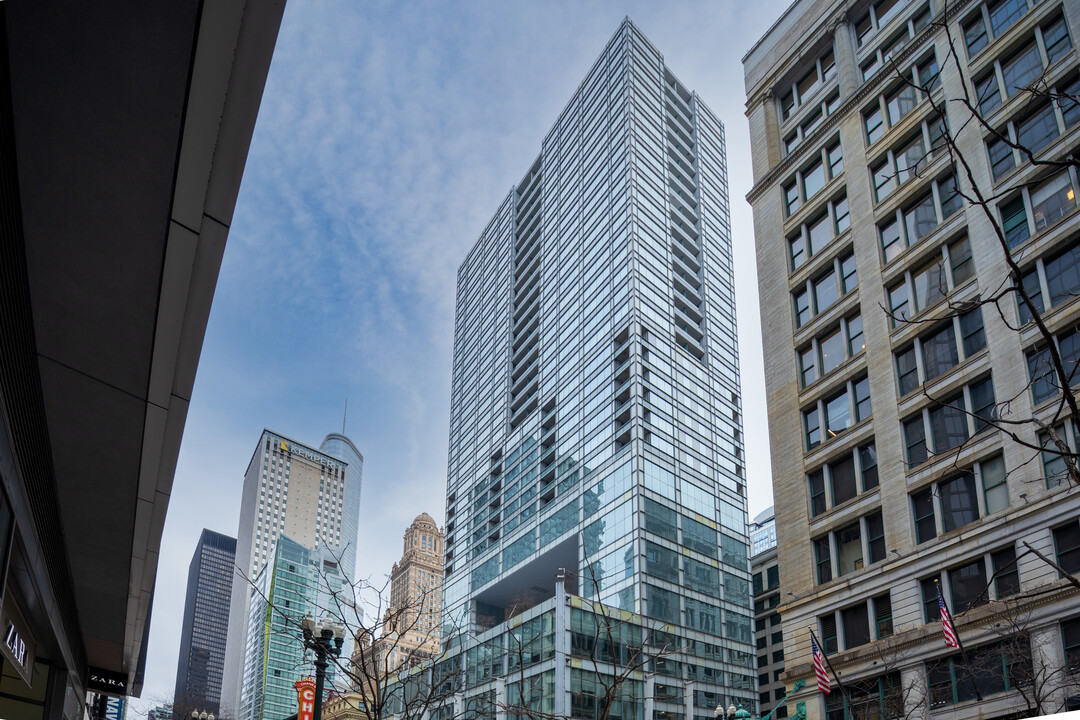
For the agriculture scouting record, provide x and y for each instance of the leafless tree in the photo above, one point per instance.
(1011, 296)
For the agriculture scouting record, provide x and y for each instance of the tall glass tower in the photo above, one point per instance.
(595, 422)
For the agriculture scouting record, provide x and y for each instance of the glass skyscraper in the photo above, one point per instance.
(295, 581)
(595, 411)
(206, 621)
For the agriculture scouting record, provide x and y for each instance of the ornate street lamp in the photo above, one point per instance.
(325, 640)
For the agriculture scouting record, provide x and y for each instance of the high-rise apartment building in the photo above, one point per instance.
(310, 495)
(294, 582)
(410, 628)
(887, 377)
(206, 621)
(595, 422)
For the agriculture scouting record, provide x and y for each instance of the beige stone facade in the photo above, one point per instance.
(410, 630)
(864, 524)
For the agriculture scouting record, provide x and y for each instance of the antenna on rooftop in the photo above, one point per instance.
(344, 415)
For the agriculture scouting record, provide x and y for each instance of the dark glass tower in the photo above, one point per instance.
(206, 622)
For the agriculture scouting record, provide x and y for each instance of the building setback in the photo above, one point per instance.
(206, 621)
(310, 495)
(595, 423)
(882, 373)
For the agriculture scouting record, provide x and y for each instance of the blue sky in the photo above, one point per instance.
(387, 136)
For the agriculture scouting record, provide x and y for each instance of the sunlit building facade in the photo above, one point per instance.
(595, 412)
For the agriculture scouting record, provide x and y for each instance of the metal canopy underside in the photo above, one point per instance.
(132, 123)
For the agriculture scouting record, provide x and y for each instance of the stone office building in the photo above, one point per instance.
(885, 375)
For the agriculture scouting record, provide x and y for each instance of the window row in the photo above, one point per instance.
(939, 350)
(1034, 129)
(881, 55)
(1053, 280)
(812, 120)
(813, 236)
(851, 627)
(813, 176)
(828, 351)
(801, 90)
(967, 586)
(951, 504)
(876, 17)
(947, 424)
(1012, 74)
(892, 107)
(925, 285)
(850, 548)
(821, 293)
(1045, 381)
(837, 413)
(908, 159)
(911, 224)
(1037, 208)
(998, 16)
(842, 479)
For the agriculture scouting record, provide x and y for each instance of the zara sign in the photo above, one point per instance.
(19, 646)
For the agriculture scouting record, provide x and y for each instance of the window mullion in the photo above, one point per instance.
(935, 498)
(919, 367)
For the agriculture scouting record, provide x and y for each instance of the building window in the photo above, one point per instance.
(874, 698)
(1070, 636)
(837, 413)
(827, 352)
(1055, 470)
(1012, 73)
(811, 121)
(1045, 383)
(855, 626)
(995, 668)
(910, 225)
(892, 107)
(815, 235)
(938, 351)
(825, 289)
(908, 159)
(1056, 277)
(949, 423)
(1067, 546)
(843, 477)
(965, 586)
(813, 176)
(1033, 210)
(876, 17)
(883, 54)
(808, 84)
(850, 548)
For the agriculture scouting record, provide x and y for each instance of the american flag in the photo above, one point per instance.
(823, 683)
(946, 622)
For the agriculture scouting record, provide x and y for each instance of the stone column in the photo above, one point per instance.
(844, 49)
(772, 128)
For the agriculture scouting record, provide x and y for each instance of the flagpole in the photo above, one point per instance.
(960, 644)
(839, 684)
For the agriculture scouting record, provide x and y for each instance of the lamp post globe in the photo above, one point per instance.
(324, 640)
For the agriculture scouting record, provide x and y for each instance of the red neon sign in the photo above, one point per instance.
(305, 698)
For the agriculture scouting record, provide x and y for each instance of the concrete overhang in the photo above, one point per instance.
(132, 125)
